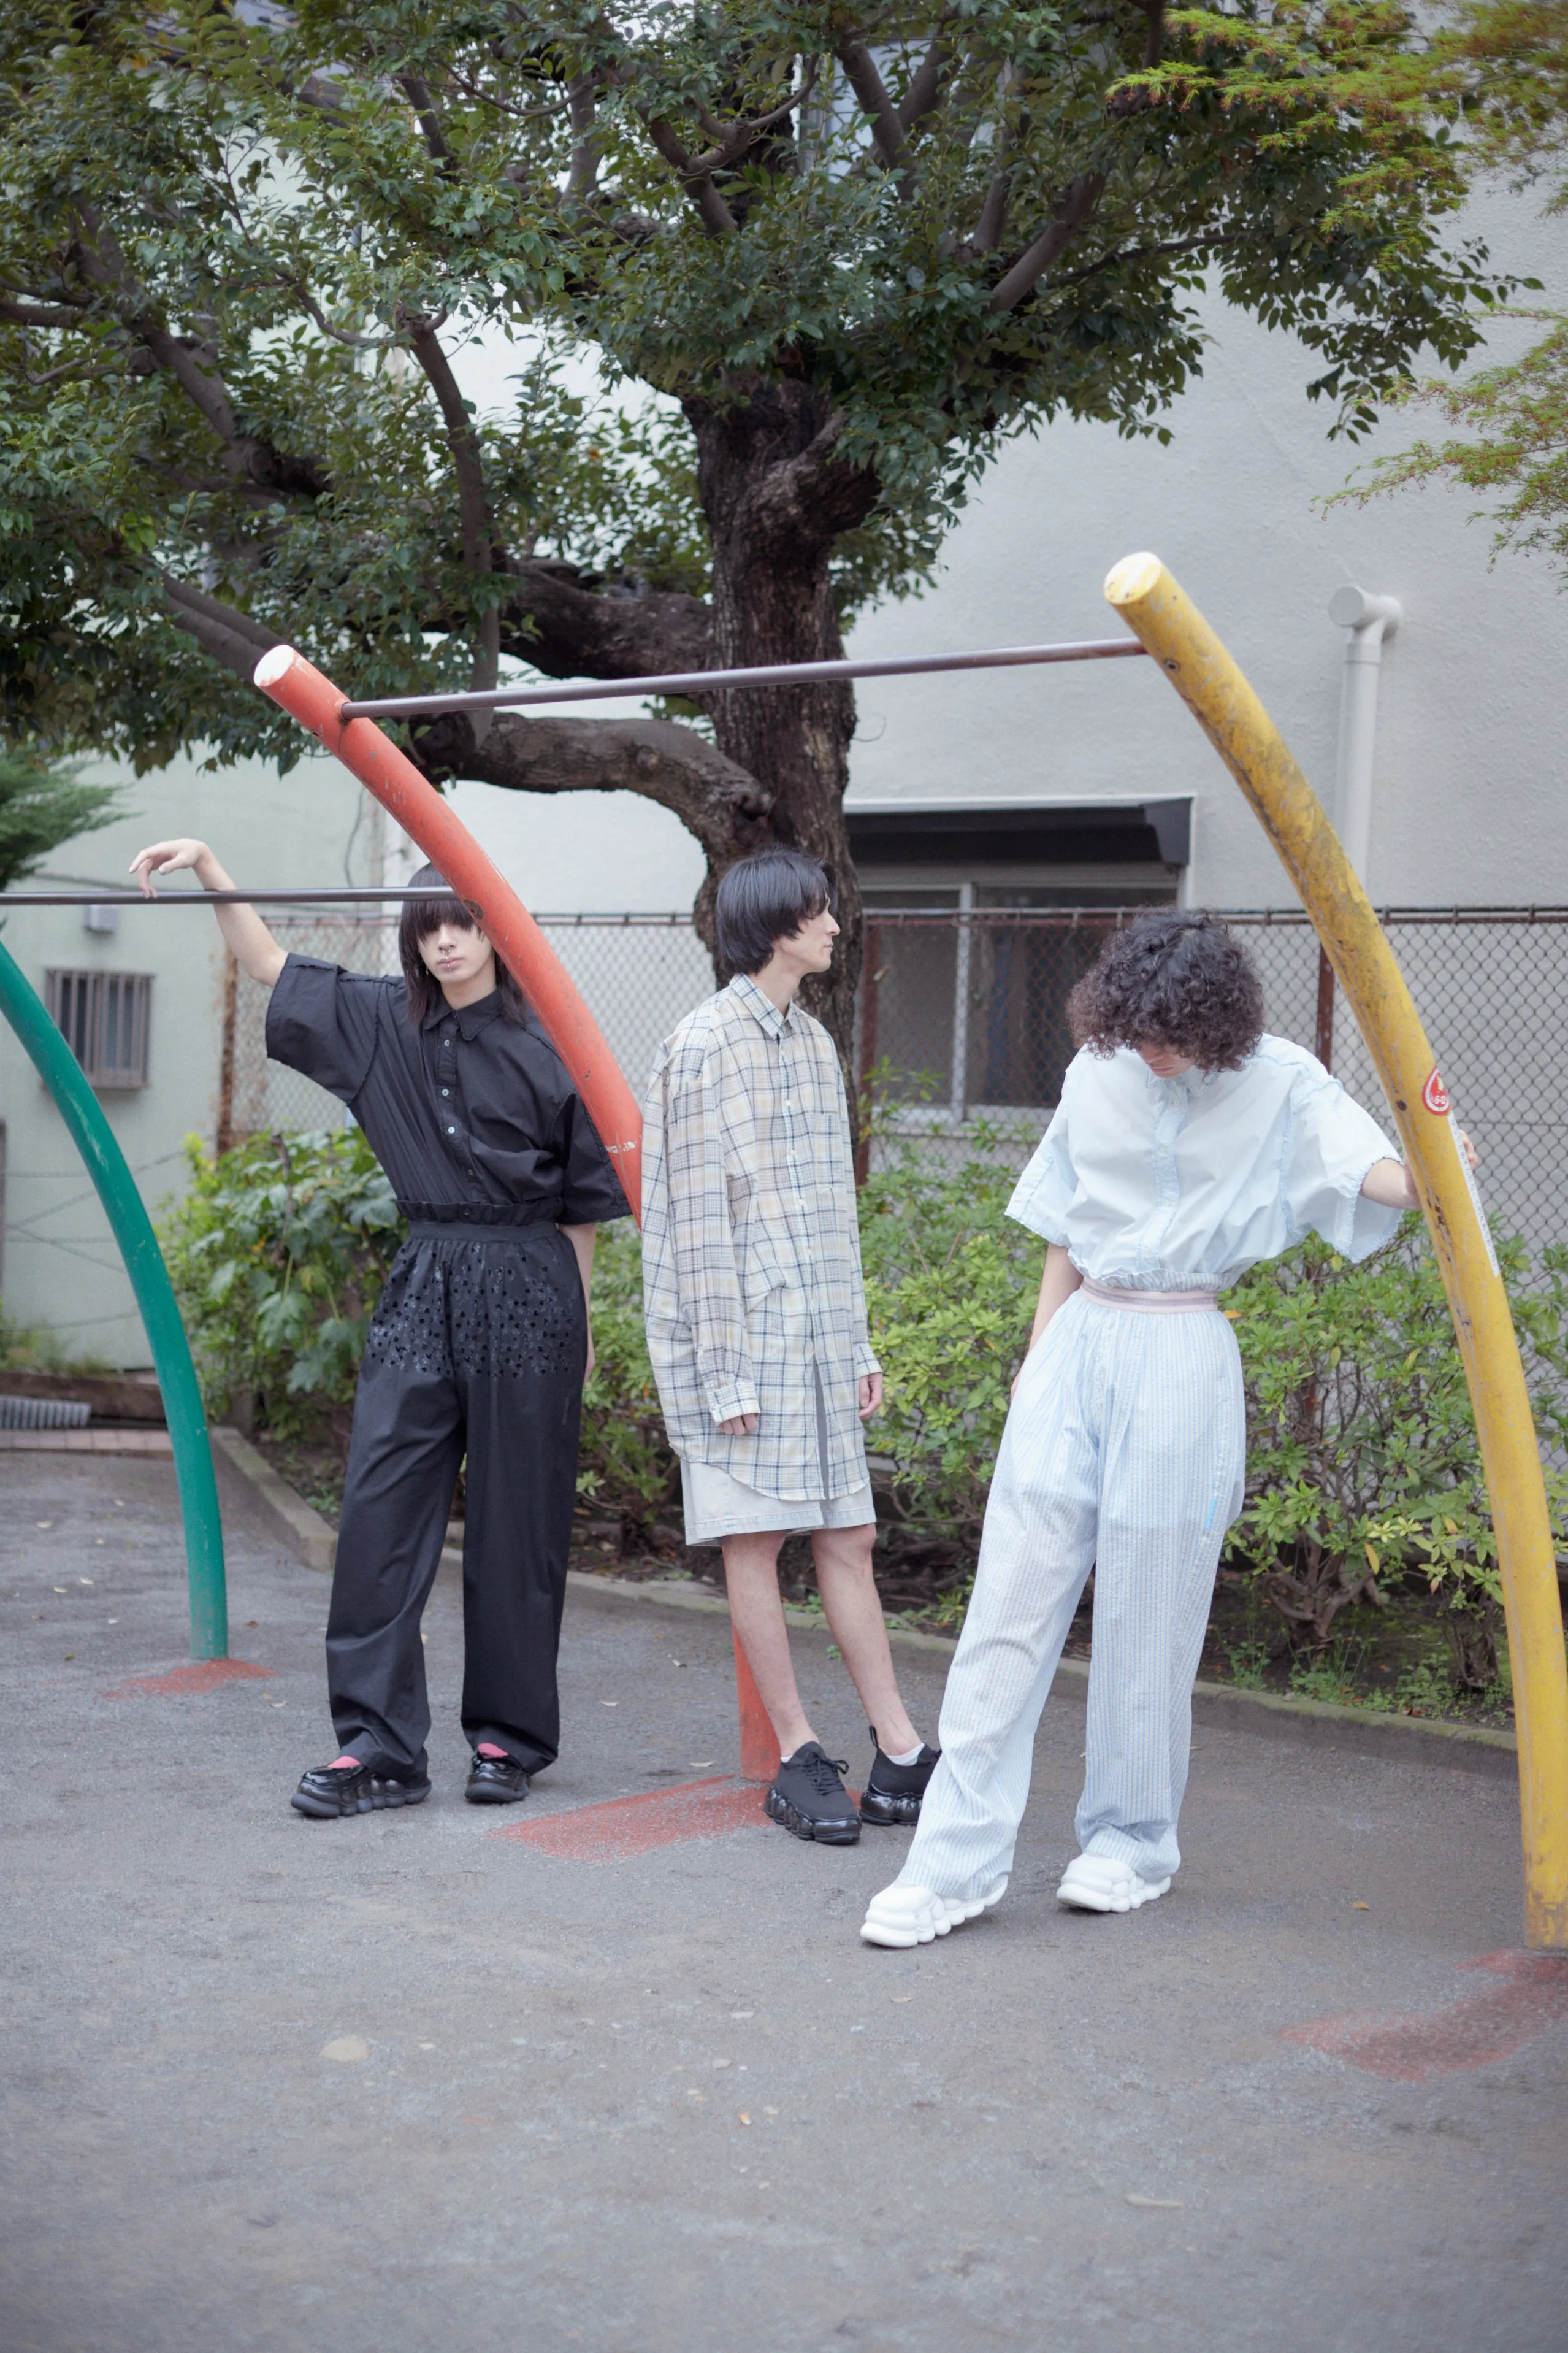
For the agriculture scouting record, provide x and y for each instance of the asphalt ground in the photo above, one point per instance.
(411, 2079)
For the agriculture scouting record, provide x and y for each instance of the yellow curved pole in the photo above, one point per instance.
(1236, 725)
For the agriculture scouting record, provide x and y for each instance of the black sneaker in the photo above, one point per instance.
(329, 1790)
(893, 1792)
(495, 1781)
(809, 1798)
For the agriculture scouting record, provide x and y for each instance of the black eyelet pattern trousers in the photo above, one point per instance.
(476, 1349)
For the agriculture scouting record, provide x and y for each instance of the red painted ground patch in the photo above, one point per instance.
(1474, 2032)
(200, 1675)
(627, 1826)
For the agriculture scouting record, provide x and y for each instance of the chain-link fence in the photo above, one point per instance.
(964, 1016)
(638, 973)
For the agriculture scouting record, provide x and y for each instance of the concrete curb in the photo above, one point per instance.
(245, 1476)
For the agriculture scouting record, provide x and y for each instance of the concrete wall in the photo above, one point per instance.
(61, 1267)
(1472, 747)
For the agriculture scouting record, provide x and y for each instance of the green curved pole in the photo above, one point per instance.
(94, 1138)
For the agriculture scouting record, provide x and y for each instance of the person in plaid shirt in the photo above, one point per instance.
(757, 1325)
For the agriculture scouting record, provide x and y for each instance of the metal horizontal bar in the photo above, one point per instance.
(709, 682)
(181, 898)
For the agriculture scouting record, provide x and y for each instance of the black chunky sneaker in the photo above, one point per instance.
(329, 1790)
(809, 1798)
(495, 1781)
(893, 1792)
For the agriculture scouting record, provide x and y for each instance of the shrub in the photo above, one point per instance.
(951, 1284)
(626, 1469)
(1363, 1471)
(277, 1253)
(1364, 1465)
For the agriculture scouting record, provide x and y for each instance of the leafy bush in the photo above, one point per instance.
(277, 1253)
(951, 1284)
(625, 1468)
(1363, 1460)
(1363, 1471)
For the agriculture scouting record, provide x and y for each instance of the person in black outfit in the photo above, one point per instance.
(478, 1346)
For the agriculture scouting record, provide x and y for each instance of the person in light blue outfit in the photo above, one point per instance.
(1188, 1146)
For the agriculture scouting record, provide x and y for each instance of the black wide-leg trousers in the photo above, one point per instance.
(476, 1349)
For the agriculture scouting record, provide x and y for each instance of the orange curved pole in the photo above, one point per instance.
(512, 931)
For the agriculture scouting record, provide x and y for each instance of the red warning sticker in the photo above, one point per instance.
(1435, 1094)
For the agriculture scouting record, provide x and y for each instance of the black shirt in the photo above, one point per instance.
(472, 1115)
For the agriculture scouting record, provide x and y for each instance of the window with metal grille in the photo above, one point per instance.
(103, 1018)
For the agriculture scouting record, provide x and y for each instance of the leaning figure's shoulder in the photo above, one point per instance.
(1281, 1060)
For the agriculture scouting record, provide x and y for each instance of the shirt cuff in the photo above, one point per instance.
(865, 1364)
(727, 1404)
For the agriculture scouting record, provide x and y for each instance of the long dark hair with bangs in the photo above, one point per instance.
(420, 917)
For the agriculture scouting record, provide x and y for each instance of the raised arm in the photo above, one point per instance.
(255, 949)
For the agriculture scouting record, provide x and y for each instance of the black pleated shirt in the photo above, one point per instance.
(473, 1116)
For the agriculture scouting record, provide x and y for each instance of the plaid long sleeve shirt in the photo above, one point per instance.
(752, 1280)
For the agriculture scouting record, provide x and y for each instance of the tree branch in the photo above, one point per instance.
(744, 133)
(925, 87)
(714, 213)
(887, 131)
(14, 314)
(992, 218)
(815, 496)
(664, 762)
(427, 114)
(1078, 205)
(586, 158)
(566, 631)
(473, 500)
(1154, 39)
(193, 366)
(222, 631)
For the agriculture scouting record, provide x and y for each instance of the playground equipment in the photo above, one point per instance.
(1165, 624)
(133, 1228)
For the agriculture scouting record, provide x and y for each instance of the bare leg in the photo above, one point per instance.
(750, 1573)
(854, 1610)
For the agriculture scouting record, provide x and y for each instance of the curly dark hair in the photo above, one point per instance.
(1175, 978)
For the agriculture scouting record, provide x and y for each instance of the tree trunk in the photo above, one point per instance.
(775, 500)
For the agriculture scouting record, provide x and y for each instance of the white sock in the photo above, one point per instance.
(913, 1758)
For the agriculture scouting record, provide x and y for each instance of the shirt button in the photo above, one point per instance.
(451, 1131)
(446, 1091)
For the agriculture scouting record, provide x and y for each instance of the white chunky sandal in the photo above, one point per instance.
(1099, 1882)
(901, 1917)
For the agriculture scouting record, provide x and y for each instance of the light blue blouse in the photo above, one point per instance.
(1183, 1184)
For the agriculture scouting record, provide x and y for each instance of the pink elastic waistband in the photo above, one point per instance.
(1150, 1303)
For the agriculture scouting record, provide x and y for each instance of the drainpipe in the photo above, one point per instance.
(1366, 621)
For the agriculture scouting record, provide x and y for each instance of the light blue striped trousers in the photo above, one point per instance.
(1124, 1453)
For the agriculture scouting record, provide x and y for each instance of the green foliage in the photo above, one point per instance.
(949, 1290)
(1364, 1474)
(225, 239)
(278, 1253)
(42, 806)
(1504, 63)
(1362, 1462)
(1511, 448)
(35, 1348)
(626, 1468)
